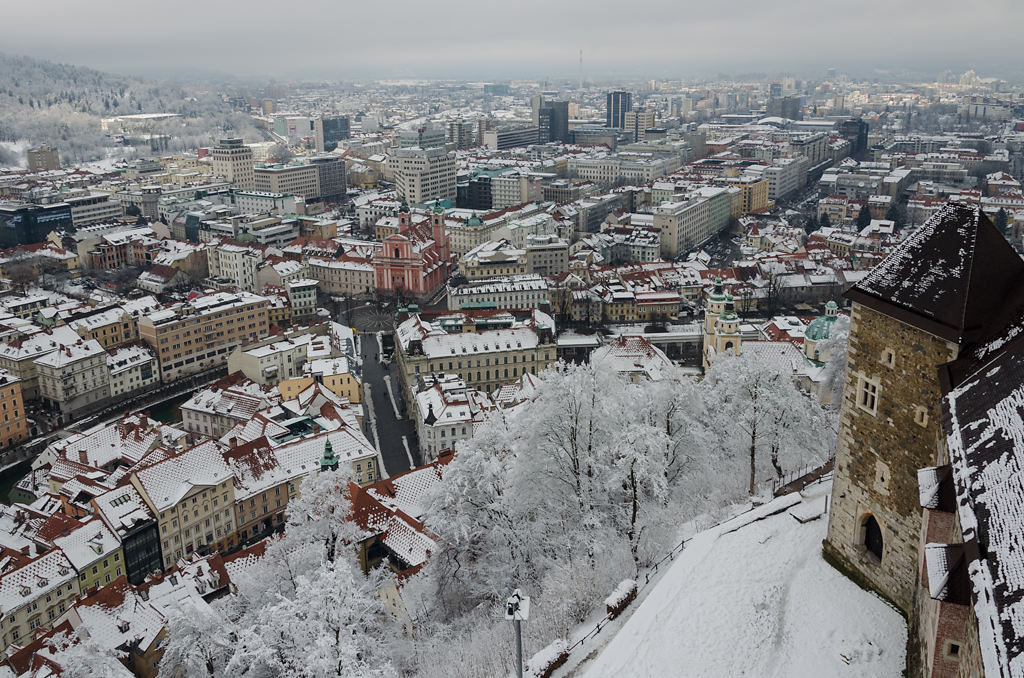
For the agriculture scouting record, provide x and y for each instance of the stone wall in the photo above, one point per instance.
(880, 449)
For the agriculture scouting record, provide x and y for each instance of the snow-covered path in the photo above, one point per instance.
(759, 601)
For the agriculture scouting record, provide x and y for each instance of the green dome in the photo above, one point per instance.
(820, 327)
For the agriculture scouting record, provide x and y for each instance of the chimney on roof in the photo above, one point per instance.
(316, 429)
(233, 443)
(24, 550)
(83, 456)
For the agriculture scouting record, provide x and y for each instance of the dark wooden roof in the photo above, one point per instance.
(984, 425)
(951, 278)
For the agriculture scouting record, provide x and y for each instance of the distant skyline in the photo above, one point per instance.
(327, 39)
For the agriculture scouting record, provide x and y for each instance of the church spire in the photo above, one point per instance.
(328, 461)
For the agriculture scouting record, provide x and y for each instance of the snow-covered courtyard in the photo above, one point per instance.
(757, 601)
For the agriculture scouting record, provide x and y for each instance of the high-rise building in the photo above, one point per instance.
(330, 171)
(423, 174)
(462, 133)
(786, 107)
(536, 103)
(618, 103)
(43, 158)
(327, 132)
(553, 121)
(775, 90)
(855, 130)
(233, 160)
(638, 122)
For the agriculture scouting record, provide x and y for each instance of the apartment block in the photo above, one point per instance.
(193, 494)
(15, 426)
(74, 378)
(193, 336)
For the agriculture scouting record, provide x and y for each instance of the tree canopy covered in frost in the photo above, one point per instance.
(568, 494)
(304, 609)
(60, 105)
(835, 347)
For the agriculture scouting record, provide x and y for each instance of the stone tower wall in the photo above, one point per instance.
(879, 453)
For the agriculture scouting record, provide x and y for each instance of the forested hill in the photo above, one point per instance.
(42, 102)
(38, 85)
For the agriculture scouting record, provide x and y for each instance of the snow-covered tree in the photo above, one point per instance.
(201, 641)
(79, 656)
(763, 417)
(834, 373)
(303, 609)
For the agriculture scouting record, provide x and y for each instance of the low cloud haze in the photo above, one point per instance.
(526, 38)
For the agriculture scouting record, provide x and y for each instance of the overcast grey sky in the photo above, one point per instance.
(355, 39)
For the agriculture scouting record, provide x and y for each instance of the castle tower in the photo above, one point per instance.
(922, 307)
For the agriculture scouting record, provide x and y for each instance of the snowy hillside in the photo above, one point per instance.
(757, 601)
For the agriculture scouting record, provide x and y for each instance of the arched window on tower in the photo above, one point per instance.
(728, 347)
(873, 537)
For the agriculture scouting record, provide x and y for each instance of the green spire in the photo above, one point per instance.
(717, 294)
(437, 206)
(328, 461)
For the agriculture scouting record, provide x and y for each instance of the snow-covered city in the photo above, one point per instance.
(456, 340)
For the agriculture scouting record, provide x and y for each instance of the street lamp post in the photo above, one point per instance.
(517, 610)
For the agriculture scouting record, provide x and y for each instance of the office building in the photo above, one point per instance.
(855, 130)
(427, 135)
(536, 103)
(790, 107)
(330, 173)
(327, 132)
(292, 179)
(553, 121)
(637, 123)
(232, 160)
(462, 133)
(510, 138)
(24, 223)
(618, 103)
(93, 208)
(423, 174)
